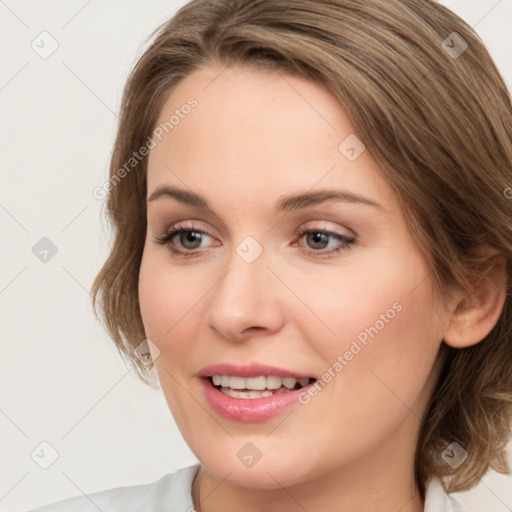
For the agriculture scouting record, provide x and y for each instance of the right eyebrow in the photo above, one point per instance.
(183, 196)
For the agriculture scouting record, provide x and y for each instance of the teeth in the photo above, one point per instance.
(274, 382)
(235, 383)
(260, 383)
(289, 382)
(246, 394)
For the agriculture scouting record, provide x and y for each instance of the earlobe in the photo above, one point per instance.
(475, 313)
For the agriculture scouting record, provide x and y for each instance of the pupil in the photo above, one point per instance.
(318, 238)
(191, 236)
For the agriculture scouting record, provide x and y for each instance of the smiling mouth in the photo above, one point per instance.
(257, 387)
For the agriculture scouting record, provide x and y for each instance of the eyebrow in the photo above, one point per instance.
(285, 204)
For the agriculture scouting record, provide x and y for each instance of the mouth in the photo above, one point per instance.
(261, 386)
(252, 392)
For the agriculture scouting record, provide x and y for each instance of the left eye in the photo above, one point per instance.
(320, 239)
(190, 239)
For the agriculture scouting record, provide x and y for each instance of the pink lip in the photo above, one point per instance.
(249, 409)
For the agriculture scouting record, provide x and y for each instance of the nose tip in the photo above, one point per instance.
(244, 302)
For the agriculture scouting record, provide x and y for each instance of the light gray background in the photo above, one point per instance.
(62, 380)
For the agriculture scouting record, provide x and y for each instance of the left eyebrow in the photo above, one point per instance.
(300, 201)
(285, 204)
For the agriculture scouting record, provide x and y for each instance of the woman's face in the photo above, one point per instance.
(352, 308)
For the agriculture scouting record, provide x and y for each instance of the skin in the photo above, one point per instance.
(254, 137)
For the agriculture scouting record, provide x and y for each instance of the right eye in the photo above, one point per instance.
(188, 239)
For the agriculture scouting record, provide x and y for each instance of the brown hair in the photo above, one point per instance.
(438, 123)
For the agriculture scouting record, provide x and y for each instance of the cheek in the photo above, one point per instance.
(169, 308)
(388, 336)
(166, 299)
(380, 292)
(164, 302)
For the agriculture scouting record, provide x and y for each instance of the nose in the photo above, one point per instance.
(245, 301)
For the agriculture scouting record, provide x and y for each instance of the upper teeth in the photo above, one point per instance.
(257, 383)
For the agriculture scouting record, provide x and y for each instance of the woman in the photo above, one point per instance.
(313, 249)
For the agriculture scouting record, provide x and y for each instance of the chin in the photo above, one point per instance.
(273, 471)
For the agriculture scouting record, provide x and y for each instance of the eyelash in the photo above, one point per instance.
(167, 237)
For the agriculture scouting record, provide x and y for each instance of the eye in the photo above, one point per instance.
(190, 240)
(318, 240)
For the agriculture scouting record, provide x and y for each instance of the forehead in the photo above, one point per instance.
(257, 132)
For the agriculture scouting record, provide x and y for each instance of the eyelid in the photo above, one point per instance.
(320, 225)
(192, 225)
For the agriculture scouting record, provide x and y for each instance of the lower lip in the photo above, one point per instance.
(250, 409)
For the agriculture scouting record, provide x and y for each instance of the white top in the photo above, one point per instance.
(173, 493)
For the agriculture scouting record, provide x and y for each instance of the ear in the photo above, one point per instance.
(475, 313)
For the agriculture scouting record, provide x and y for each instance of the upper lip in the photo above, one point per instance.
(249, 370)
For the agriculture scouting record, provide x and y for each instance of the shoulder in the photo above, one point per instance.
(172, 491)
(438, 500)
